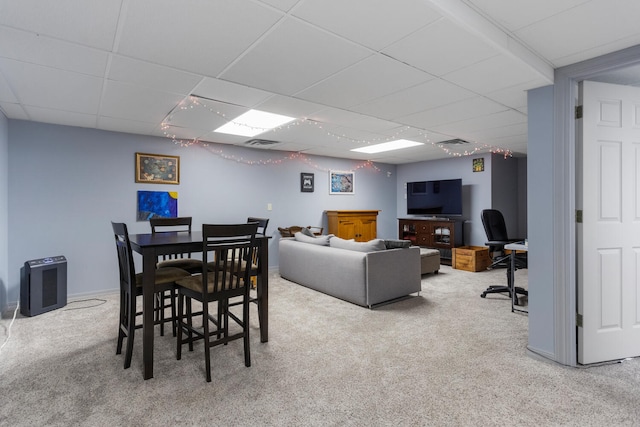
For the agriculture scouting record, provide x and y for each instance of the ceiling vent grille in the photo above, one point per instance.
(456, 141)
(260, 143)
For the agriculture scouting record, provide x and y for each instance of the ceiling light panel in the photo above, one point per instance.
(253, 122)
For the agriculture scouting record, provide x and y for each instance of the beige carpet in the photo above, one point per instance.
(446, 357)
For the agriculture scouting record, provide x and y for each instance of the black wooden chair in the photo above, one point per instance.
(179, 260)
(228, 247)
(496, 230)
(131, 287)
(183, 260)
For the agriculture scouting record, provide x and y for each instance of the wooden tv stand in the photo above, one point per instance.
(437, 233)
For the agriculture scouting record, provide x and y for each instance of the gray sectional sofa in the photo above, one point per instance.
(346, 272)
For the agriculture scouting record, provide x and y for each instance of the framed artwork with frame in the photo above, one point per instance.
(478, 164)
(306, 182)
(342, 182)
(157, 168)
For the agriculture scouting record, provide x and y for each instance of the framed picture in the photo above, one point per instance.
(157, 168)
(478, 165)
(341, 182)
(154, 204)
(306, 182)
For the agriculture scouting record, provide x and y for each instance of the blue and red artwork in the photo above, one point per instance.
(153, 204)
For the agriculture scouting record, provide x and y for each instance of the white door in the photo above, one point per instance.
(608, 247)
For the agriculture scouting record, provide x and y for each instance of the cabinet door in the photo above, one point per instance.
(424, 234)
(347, 229)
(367, 230)
(442, 235)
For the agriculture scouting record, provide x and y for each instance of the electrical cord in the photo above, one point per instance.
(15, 313)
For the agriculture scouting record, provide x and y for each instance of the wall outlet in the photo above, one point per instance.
(269, 207)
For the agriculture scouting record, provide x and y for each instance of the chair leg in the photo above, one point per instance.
(174, 323)
(131, 327)
(179, 320)
(207, 346)
(245, 327)
(190, 323)
(123, 317)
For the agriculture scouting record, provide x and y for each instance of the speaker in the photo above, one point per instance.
(43, 285)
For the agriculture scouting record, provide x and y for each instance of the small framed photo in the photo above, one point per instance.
(478, 165)
(157, 168)
(306, 182)
(341, 182)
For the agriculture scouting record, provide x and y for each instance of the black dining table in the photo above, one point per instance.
(150, 246)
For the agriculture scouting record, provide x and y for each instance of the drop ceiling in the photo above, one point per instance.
(352, 72)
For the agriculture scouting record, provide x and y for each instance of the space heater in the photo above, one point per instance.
(43, 285)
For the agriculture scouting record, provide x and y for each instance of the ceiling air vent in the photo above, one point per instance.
(456, 141)
(260, 143)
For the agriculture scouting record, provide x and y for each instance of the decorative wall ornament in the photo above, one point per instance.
(153, 204)
(478, 164)
(306, 182)
(157, 168)
(341, 182)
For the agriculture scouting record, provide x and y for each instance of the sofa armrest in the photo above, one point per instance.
(392, 274)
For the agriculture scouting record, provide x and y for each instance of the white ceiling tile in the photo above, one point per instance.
(284, 5)
(136, 103)
(127, 70)
(91, 22)
(203, 115)
(515, 96)
(232, 93)
(364, 81)
(517, 14)
(431, 48)
(495, 73)
(39, 49)
(13, 111)
(575, 28)
(6, 94)
(52, 88)
(482, 122)
(372, 23)
(352, 120)
(168, 32)
(454, 112)
(124, 125)
(431, 94)
(292, 57)
(289, 106)
(67, 118)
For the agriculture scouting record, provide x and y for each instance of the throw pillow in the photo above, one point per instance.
(319, 240)
(370, 246)
(395, 243)
(307, 232)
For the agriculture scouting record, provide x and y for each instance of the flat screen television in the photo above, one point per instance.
(435, 198)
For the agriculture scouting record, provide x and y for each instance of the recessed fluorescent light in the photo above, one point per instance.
(387, 146)
(253, 123)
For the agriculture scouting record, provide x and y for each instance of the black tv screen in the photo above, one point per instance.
(442, 197)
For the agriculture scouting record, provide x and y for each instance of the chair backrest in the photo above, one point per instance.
(262, 224)
(162, 225)
(159, 224)
(125, 257)
(225, 248)
(494, 225)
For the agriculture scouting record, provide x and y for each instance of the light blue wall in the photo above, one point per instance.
(476, 189)
(504, 192)
(66, 184)
(4, 209)
(540, 222)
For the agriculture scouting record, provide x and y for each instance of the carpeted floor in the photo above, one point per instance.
(446, 357)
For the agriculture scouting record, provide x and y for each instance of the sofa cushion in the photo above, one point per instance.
(316, 240)
(397, 244)
(370, 246)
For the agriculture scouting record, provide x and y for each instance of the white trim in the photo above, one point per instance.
(564, 166)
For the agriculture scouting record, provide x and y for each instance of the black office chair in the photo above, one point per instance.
(496, 230)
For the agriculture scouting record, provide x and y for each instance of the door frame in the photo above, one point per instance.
(564, 199)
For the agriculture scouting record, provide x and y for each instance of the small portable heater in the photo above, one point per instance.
(43, 285)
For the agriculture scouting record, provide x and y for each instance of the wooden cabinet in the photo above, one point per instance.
(443, 235)
(359, 225)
